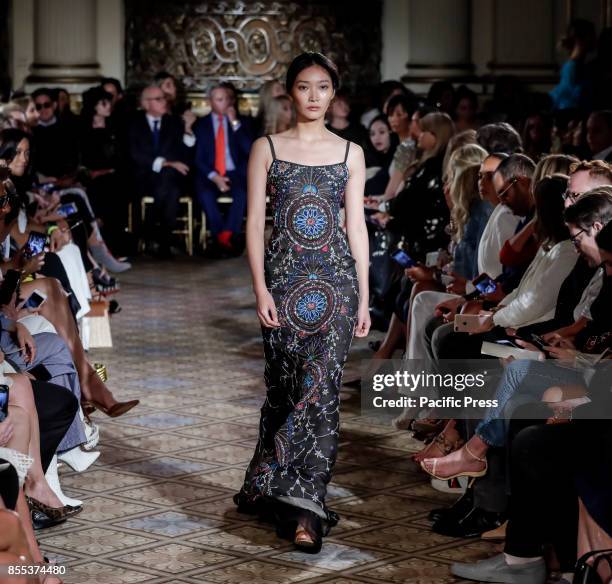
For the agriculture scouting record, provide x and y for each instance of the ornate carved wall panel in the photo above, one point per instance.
(249, 42)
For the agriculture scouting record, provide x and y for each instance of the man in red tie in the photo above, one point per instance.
(223, 143)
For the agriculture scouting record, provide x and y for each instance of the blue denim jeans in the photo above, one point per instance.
(523, 382)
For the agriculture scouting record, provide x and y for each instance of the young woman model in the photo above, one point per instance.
(311, 286)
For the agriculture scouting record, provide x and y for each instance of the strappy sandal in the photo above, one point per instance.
(442, 443)
(467, 473)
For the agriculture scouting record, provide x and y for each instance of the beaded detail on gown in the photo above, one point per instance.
(311, 275)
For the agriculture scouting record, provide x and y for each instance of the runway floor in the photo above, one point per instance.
(158, 503)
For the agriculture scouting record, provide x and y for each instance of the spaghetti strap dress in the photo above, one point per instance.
(311, 275)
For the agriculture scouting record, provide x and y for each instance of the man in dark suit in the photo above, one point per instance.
(223, 144)
(160, 145)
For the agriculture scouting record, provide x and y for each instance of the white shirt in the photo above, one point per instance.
(590, 293)
(535, 298)
(188, 139)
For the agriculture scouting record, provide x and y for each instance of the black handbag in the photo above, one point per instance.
(586, 572)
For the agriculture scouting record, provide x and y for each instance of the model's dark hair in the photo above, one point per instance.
(549, 205)
(310, 59)
(604, 238)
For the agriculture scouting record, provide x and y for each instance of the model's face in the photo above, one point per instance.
(168, 86)
(103, 108)
(22, 157)
(46, 107)
(399, 120)
(312, 93)
(380, 136)
(219, 100)
(486, 189)
(154, 102)
(584, 241)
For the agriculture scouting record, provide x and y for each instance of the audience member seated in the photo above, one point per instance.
(379, 155)
(537, 136)
(159, 145)
(599, 135)
(269, 90)
(279, 115)
(465, 109)
(55, 142)
(222, 150)
(339, 119)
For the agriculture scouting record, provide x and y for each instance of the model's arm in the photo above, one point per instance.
(358, 234)
(259, 160)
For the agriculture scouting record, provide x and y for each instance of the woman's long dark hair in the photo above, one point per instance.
(550, 225)
(309, 59)
(91, 98)
(9, 142)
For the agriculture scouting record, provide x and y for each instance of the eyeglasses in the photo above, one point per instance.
(575, 239)
(512, 182)
(570, 195)
(45, 105)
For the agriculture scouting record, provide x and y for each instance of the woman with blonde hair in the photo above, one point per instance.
(279, 115)
(267, 92)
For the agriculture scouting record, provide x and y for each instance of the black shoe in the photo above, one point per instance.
(41, 520)
(473, 524)
(245, 506)
(458, 509)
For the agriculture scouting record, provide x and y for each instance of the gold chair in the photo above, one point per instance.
(186, 230)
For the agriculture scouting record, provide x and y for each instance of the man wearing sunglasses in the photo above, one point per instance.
(55, 142)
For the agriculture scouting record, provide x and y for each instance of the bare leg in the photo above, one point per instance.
(57, 311)
(26, 427)
(394, 339)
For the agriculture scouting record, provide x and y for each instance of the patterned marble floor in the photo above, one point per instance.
(158, 501)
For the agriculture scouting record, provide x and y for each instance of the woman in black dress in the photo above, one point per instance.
(311, 285)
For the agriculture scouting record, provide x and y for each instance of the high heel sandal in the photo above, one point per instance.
(467, 473)
(442, 443)
(308, 536)
(117, 409)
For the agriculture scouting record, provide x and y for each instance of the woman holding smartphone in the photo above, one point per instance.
(311, 285)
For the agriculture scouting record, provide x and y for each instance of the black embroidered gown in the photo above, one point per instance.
(311, 275)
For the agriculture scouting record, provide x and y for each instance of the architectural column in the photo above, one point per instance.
(65, 44)
(439, 40)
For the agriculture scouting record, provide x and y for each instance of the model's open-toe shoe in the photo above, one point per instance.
(309, 533)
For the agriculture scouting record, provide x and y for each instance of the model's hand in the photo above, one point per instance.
(363, 321)
(266, 310)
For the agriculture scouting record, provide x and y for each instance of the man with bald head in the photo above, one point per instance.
(160, 152)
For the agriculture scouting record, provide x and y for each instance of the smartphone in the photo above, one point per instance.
(4, 399)
(10, 286)
(35, 245)
(469, 323)
(403, 259)
(35, 300)
(484, 284)
(431, 259)
(67, 210)
(538, 341)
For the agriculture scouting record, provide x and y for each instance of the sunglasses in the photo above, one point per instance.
(512, 182)
(45, 105)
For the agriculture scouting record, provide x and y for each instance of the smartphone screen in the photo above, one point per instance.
(36, 244)
(4, 399)
(67, 210)
(403, 259)
(484, 284)
(34, 301)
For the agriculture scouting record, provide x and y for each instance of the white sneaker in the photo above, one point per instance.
(78, 459)
(53, 481)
